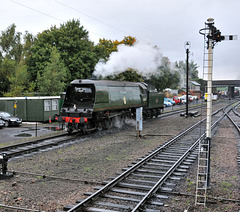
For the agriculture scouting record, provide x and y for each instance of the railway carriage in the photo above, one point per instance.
(93, 104)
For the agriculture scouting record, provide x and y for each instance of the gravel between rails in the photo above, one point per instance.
(89, 162)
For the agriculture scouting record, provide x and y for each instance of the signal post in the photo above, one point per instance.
(212, 35)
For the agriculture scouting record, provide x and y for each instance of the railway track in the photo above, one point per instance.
(22, 149)
(29, 147)
(234, 117)
(139, 187)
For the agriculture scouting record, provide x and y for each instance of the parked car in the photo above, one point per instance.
(191, 98)
(195, 98)
(167, 104)
(177, 100)
(183, 99)
(169, 100)
(214, 97)
(2, 124)
(9, 119)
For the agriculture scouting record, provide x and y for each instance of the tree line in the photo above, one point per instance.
(46, 63)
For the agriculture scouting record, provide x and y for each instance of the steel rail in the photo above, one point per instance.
(156, 187)
(2, 149)
(18, 208)
(233, 122)
(134, 167)
(27, 147)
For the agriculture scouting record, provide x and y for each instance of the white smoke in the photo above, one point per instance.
(131, 122)
(142, 57)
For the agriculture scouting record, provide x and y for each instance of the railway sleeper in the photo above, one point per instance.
(149, 171)
(114, 205)
(150, 182)
(181, 169)
(177, 149)
(154, 164)
(158, 164)
(192, 157)
(170, 153)
(167, 156)
(178, 173)
(91, 209)
(189, 160)
(128, 192)
(120, 198)
(186, 163)
(68, 207)
(163, 161)
(123, 207)
(145, 182)
(131, 200)
(141, 187)
(161, 168)
(151, 176)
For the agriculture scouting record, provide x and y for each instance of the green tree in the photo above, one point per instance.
(109, 46)
(10, 43)
(165, 76)
(129, 75)
(193, 69)
(27, 45)
(76, 50)
(7, 70)
(53, 77)
(19, 81)
(105, 48)
(14, 76)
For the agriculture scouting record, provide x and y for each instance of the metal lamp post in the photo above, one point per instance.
(187, 46)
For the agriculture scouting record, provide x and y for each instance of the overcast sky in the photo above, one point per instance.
(165, 23)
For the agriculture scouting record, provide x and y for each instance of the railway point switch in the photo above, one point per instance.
(3, 170)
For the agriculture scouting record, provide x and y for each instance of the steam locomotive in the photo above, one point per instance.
(96, 104)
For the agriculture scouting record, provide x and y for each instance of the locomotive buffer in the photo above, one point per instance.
(212, 35)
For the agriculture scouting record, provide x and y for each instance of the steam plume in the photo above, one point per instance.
(142, 57)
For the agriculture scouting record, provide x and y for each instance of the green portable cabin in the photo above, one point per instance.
(32, 108)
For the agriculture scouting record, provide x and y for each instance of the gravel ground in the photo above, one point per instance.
(80, 167)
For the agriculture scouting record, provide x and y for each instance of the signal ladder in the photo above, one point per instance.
(204, 145)
(202, 173)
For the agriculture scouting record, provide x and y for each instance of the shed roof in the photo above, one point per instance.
(195, 83)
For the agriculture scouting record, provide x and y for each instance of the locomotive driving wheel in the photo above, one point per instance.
(107, 123)
(99, 126)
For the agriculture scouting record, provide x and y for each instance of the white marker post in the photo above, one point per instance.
(139, 120)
